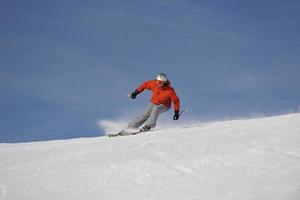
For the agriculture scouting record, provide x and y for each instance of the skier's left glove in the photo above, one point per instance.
(133, 95)
(176, 115)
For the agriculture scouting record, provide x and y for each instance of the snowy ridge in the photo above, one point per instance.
(239, 159)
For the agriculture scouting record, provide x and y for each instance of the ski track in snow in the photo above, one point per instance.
(255, 159)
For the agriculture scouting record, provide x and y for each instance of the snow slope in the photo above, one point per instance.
(241, 159)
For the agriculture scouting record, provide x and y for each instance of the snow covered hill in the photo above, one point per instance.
(257, 159)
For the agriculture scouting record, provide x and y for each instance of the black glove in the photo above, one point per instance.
(176, 115)
(133, 95)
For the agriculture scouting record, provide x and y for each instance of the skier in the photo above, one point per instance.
(163, 95)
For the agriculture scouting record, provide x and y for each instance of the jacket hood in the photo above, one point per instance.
(168, 83)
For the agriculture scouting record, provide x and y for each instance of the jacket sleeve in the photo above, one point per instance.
(143, 86)
(176, 101)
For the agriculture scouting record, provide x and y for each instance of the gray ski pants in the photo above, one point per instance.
(149, 117)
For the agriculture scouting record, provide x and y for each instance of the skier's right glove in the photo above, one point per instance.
(176, 115)
(133, 95)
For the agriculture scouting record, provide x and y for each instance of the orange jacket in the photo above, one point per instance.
(161, 95)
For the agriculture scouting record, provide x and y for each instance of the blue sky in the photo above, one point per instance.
(66, 64)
